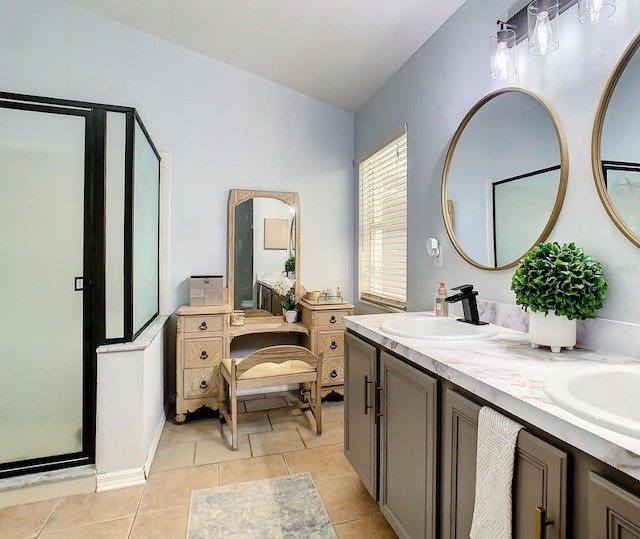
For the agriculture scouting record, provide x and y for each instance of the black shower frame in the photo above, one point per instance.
(94, 258)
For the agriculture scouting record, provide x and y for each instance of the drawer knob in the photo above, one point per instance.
(204, 384)
(203, 326)
(333, 345)
(332, 320)
(204, 355)
(334, 374)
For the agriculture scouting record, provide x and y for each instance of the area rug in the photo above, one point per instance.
(286, 507)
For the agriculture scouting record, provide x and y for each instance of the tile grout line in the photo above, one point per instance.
(53, 510)
(135, 514)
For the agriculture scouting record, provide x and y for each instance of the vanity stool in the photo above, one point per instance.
(268, 367)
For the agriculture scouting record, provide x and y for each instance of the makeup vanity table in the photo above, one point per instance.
(205, 334)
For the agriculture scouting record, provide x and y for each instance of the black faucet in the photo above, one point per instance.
(467, 296)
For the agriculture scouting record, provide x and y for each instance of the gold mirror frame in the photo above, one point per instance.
(237, 196)
(596, 147)
(447, 214)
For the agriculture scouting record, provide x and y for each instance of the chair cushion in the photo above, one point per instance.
(268, 369)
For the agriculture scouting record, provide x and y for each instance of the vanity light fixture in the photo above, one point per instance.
(538, 21)
(503, 52)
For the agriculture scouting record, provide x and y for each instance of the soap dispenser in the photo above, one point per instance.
(441, 307)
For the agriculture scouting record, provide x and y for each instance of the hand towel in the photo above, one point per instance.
(492, 510)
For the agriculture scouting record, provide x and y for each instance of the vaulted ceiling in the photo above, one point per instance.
(337, 51)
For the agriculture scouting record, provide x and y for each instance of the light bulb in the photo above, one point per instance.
(542, 31)
(594, 7)
(501, 60)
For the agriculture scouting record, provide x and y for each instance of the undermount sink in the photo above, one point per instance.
(608, 396)
(437, 329)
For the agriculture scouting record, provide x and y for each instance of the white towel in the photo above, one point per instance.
(497, 436)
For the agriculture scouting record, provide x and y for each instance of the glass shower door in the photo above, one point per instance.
(42, 200)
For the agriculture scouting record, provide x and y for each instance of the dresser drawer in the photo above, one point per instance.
(332, 371)
(202, 352)
(201, 382)
(203, 324)
(331, 318)
(331, 343)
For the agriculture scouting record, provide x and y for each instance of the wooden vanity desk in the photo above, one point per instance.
(204, 337)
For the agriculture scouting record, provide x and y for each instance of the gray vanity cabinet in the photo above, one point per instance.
(391, 414)
(540, 476)
(360, 425)
(408, 446)
(614, 512)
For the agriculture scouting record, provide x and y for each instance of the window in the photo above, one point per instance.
(383, 226)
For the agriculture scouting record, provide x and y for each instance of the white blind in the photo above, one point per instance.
(383, 226)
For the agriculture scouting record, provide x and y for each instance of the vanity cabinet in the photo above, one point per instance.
(540, 475)
(268, 300)
(390, 412)
(614, 512)
(326, 334)
(201, 343)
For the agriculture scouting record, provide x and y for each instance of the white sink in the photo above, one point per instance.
(437, 329)
(608, 396)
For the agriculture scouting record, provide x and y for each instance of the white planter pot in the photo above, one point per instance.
(291, 316)
(551, 330)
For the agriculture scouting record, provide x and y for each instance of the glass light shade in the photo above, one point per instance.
(542, 24)
(503, 54)
(595, 11)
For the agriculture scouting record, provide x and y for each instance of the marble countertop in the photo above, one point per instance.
(507, 372)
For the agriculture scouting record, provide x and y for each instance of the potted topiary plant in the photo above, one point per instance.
(290, 267)
(558, 285)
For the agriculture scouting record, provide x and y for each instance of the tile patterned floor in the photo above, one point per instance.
(194, 456)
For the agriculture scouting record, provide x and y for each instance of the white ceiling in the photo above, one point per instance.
(338, 51)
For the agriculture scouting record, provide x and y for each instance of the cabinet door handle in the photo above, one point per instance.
(541, 523)
(367, 406)
(332, 320)
(333, 345)
(204, 384)
(334, 374)
(204, 355)
(203, 326)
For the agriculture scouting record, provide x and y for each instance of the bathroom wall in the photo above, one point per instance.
(223, 127)
(434, 90)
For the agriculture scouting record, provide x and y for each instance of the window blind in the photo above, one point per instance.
(383, 226)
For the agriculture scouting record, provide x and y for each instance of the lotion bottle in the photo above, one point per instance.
(441, 307)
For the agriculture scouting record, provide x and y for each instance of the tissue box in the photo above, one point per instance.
(205, 290)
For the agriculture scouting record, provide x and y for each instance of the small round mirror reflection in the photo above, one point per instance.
(504, 179)
(616, 153)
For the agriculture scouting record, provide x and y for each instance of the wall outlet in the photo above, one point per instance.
(438, 259)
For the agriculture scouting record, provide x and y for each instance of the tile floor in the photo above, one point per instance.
(194, 456)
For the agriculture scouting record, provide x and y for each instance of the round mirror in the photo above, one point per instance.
(504, 179)
(615, 153)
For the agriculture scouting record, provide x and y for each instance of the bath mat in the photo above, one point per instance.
(287, 507)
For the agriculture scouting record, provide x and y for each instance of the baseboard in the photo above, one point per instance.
(156, 441)
(120, 479)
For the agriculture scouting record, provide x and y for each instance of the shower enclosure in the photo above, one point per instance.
(79, 236)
